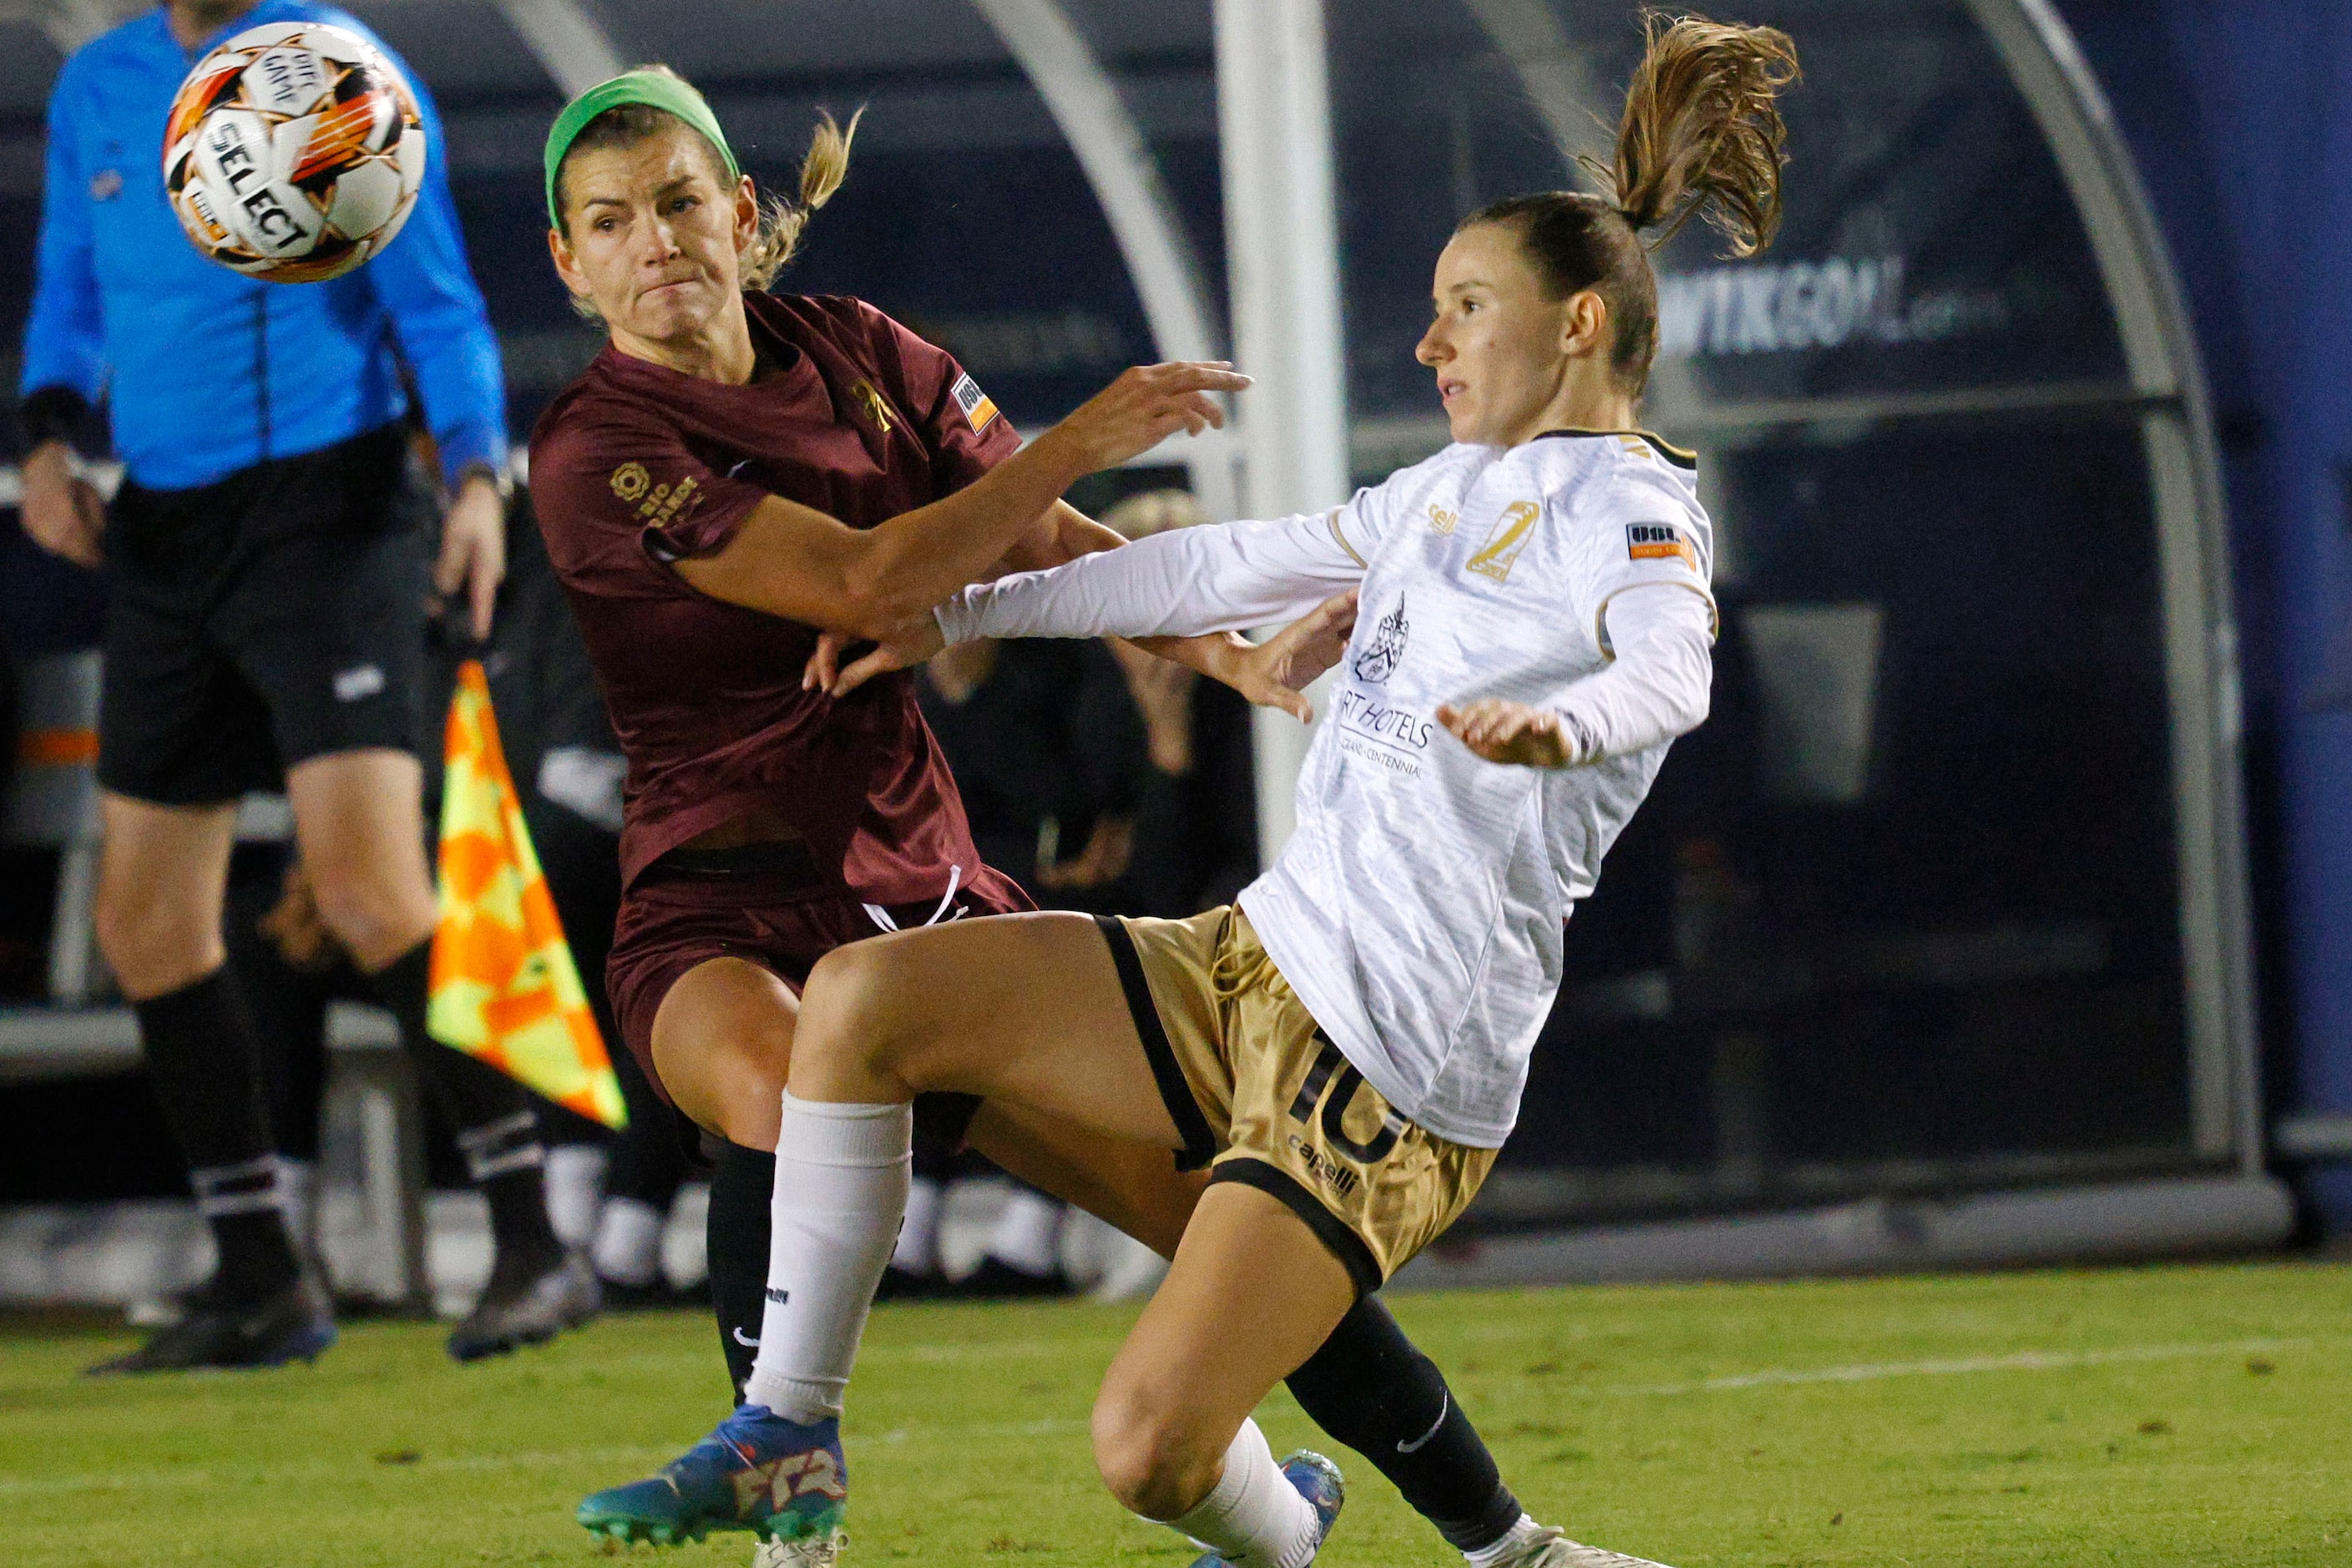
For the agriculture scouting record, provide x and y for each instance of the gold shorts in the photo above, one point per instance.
(1262, 1098)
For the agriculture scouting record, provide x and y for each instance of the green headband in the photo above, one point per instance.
(651, 88)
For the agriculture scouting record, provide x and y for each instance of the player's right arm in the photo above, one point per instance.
(1218, 577)
(65, 365)
(792, 561)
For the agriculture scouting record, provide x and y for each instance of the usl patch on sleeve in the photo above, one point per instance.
(978, 411)
(1658, 542)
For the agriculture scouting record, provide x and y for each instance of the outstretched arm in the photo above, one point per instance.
(1215, 578)
(1655, 689)
(792, 561)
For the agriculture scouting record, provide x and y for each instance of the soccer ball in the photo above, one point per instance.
(294, 153)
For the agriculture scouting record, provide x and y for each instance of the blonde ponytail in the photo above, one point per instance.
(781, 220)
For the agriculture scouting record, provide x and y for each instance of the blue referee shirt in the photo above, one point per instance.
(209, 371)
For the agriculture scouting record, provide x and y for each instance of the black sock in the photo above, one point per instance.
(649, 1161)
(200, 1060)
(1372, 1390)
(497, 1127)
(742, 1189)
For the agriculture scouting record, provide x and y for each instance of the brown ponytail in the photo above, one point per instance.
(1701, 131)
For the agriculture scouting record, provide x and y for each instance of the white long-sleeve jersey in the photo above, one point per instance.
(1418, 909)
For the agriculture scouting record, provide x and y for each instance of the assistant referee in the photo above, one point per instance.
(270, 561)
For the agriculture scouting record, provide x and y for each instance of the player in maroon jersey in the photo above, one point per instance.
(734, 469)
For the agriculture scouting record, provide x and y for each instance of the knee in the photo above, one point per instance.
(152, 946)
(1153, 1463)
(844, 1018)
(376, 917)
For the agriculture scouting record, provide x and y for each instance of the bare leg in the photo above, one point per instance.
(1027, 1012)
(1021, 1010)
(162, 871)
(1252, 1294)
(1133, 1187)
(359, 821)
(723, 1043)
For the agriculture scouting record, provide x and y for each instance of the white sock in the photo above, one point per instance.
(1252, 1518)
(842, 1173)
(298, 1183)
(628, 1244)
(574, 1174)
(917, 1251)
(1513, 1539)
(1028, 1234)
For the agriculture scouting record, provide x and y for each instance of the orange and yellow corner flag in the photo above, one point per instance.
(504, 986)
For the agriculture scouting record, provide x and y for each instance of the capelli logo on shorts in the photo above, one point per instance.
(359, 680)
(1324, 1168)
(630, 481)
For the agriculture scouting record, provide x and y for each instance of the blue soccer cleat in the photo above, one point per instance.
(777, 1479)
(1319, 1482)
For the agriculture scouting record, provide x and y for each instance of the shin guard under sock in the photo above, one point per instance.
(1372, 1390)
(199, 1061)
(743, 1189)
(495, 1125)
(842, 1173)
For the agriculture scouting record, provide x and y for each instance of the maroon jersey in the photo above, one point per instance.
(635, 466)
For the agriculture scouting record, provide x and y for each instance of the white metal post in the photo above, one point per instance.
(1282, 255)
(1110, 147)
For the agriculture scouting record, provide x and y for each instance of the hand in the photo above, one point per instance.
(1274, 673)
(473, 552)
(1161, 680)
(1142, 408)
(1514, 732)
(294, 926)
(61, 510)
(904, 646)
(1109, 851)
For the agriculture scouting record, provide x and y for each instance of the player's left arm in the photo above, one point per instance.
(1636, 573)
(442, 328)
(1655, 688)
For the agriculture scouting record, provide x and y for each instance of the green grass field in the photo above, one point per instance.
(2142, 1417)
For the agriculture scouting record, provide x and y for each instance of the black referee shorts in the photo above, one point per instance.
(272, 617)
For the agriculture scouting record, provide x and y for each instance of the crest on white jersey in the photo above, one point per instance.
(1386, 651)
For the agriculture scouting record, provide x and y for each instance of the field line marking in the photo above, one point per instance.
(2020, 1360)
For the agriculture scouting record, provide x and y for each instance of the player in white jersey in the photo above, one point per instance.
(1345, 1049)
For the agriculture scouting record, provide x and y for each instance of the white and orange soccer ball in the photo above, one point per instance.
(294, 153)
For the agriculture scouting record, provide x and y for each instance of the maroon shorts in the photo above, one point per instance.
(780, 918)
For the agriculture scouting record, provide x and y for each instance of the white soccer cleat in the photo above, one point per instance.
(813, 1552)
(1550, 1548)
